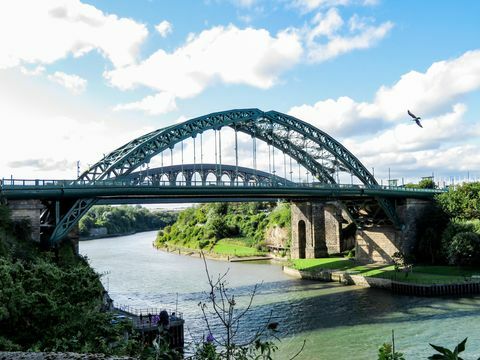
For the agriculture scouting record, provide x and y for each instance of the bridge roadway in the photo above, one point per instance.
(114, 191)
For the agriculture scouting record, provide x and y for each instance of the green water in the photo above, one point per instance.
(337, 322)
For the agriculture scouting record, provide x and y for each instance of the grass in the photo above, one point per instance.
(425, 274)
(421, 274)
(333, 263)
(235, 247)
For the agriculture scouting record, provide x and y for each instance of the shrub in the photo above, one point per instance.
(455, 227)
(464, 249)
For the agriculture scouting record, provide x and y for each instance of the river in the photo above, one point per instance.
(338, 322)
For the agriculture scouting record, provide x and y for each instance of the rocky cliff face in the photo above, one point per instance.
(277, 237)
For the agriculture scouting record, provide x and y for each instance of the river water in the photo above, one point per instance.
(337, 322)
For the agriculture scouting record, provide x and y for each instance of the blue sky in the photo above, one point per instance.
(80, 78)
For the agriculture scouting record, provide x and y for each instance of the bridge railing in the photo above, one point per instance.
(12, 184)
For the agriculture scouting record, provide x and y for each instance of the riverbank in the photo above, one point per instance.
(380, 276)
(213, 255)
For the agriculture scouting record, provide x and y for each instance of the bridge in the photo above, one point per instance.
(317, 195)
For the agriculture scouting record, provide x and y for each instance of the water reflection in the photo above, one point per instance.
(339, 322)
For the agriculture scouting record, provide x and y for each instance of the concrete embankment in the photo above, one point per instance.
(468, 288)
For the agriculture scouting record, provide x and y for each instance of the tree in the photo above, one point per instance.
(464, 249)
(226, 344)
(462, 202)
(427, 183)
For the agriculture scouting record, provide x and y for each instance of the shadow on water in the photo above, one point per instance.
(306, 306)
(335, 319)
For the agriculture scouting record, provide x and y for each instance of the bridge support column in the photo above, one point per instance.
(379, 243)
(315, 230)
(27, 210)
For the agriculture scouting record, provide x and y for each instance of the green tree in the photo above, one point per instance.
(427, 183)
(462, 202)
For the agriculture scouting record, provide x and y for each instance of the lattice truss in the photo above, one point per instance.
(320, 154)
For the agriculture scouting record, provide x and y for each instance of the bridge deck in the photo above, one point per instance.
(127, 190)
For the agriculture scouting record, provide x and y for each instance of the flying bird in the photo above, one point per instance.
(415, 118)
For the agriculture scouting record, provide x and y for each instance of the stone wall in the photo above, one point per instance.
(378, 244)
(323, 226)
(27, 210)
(313, 215)
(332, 228)
(277, 237)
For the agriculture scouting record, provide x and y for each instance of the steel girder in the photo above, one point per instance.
(188, 170)
(125, 159)
(318, 152)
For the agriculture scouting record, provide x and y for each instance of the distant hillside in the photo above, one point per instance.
(115, 220)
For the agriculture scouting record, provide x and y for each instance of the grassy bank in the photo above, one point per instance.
(420, 274)
(237, 247)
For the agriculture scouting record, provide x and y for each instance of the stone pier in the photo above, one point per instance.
(319, 230)
(379, 243)
(316, 229)
(27, 210)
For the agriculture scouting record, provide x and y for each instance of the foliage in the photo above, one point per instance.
(386, 352)
(226, 344)
(445, 354)
(203, 226)
(426, 183)
(429, 227)
(44, 306)
(452, 251)
(124, 219)
(462, 202)
(464, 249)
(49, 301)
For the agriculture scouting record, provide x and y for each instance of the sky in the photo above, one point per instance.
(81, 78)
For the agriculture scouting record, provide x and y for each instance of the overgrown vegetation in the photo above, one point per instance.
(460, 240)
(49, 301)
(124, 219)
(202, 227)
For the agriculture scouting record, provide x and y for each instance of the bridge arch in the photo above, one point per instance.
(317, 151)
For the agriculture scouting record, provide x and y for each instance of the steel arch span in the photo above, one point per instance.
(315, 150)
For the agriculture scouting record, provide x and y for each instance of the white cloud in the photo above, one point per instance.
(71, 82)
(325, 39)
(325, 25)
(222, 54)
(442, 83)
(38, 70)
(382, 135)
(57, 136)
(245, 3)
(406, 137)
(310, 5)
(424, 93)
(164, 28)
(158, 104)
(42, 32)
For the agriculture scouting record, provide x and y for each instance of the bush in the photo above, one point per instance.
(455, 227)
(464, 249)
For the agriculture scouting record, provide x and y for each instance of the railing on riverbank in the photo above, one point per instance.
(146, 321)
(469, 288)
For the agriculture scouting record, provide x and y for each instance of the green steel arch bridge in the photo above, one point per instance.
(117, 178)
